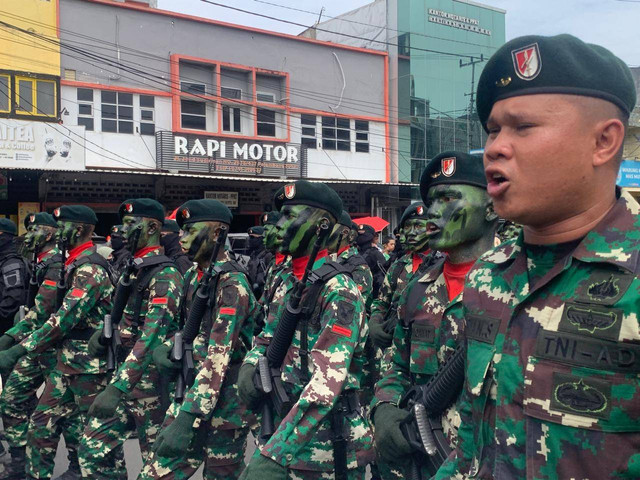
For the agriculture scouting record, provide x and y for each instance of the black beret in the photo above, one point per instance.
(364, 229)
(561, 64)
(415, 210)
(116, 229)
(41, 218)
(345, 219)
(75, 214)
(7, 226)
(142, 207)
(316, 195)
(453, 168)
(204, 210)
(170, 226)
(270, 218)
(256, 231)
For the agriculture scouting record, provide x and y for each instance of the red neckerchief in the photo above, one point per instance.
(74, 252)
(143, 251)
(418, 258)
(343, 249)
(200, 274)
(454, 274)
(41, 255)
(300, 263)
(280, 258)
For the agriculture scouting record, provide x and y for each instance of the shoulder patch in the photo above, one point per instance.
(161, 288)
(160, 301)
(345, 313)
(342, 331)
(49, 283)
(77, 293)
(227, 311)
(229, 296)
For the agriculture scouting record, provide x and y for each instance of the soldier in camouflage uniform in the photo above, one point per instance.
(431, 324)
(131, 401)
(78, 377)
(211, 424)
(18, 399)
(553, 341)
(323, 378)
(13, 275)
(170, 241)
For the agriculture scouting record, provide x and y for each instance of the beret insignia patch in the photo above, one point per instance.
(114, 229)
(419, 210)
(527, 61)
(360, 227)
(448, 166)
(56, 212)
(32, 218)
(265, 217)
(290, 191)
(503, 82)
(128, 208)
(185, 213)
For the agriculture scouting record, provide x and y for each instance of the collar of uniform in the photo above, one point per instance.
(344, 249)
(148, 251)
(434, 271)
(300, 263)
(75, 252)
(280, 258)
(42, 256)
(614, 240)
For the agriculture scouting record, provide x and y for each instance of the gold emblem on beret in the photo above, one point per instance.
(503, 82)
(435, 174)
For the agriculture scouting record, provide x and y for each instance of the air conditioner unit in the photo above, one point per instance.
(266, 97)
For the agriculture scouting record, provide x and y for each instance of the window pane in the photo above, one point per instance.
(87, 122)
(125, 98)
(309, 142)
(362, 147)
(343, 122)
(108, 97)
(309, 132)
(109, 111)
(84, 109)
(308, 119)
(343, 134)
(196, 108)
(4, 93)
(236, 120)
(125, 127)
(226, 123)
(195, 122)
(267, 129)
(147, 101)
(147, 129)
(266, 115)
(362, 125)
(328, 121)
(362, 136)
(85, 94)
(25, 92)
(146, 114)
(125, 113)
(328, 144)
(109, 126)
(328, 133)
(345, 146)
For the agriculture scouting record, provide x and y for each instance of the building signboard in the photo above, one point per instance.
(629, 174)
(190, 153)
(456, 21)
(41, 145)
(230, 199)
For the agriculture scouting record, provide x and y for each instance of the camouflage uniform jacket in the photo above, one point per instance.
(336, 335)
(361, 275)
(45, 301)
(552, 378)
(229, 330)
(84, 306)
(137, 375)
(429, 329)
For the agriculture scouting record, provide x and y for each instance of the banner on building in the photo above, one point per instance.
(230, 199)
(629, 174)
(191, 153)
(48, 146)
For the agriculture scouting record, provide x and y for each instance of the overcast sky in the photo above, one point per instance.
(611, 23)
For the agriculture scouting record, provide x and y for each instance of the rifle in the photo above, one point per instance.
(267, 378)
(61, 286)
(183, 341)
(423, 428)
(110, 337)
(33, 280)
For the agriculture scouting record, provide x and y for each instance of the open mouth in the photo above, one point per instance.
(497, 184)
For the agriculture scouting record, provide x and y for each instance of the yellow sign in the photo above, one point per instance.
(28, 52)
(24, 209)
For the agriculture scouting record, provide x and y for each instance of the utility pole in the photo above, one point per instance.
(472, 61)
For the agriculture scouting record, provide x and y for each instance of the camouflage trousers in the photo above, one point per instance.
(19, 399)
(222, 452)
(65, 396)
(103, 439)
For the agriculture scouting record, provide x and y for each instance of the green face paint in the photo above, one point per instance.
(198, 241)
(339, 238)
(297, 229)
(69, 230)
(149, 233)
(270, 238)
(415, 231)
(402, 238)
(39, 238)
(457, 216)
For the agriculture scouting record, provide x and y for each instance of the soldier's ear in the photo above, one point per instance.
(153, 227)
(489, 214)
